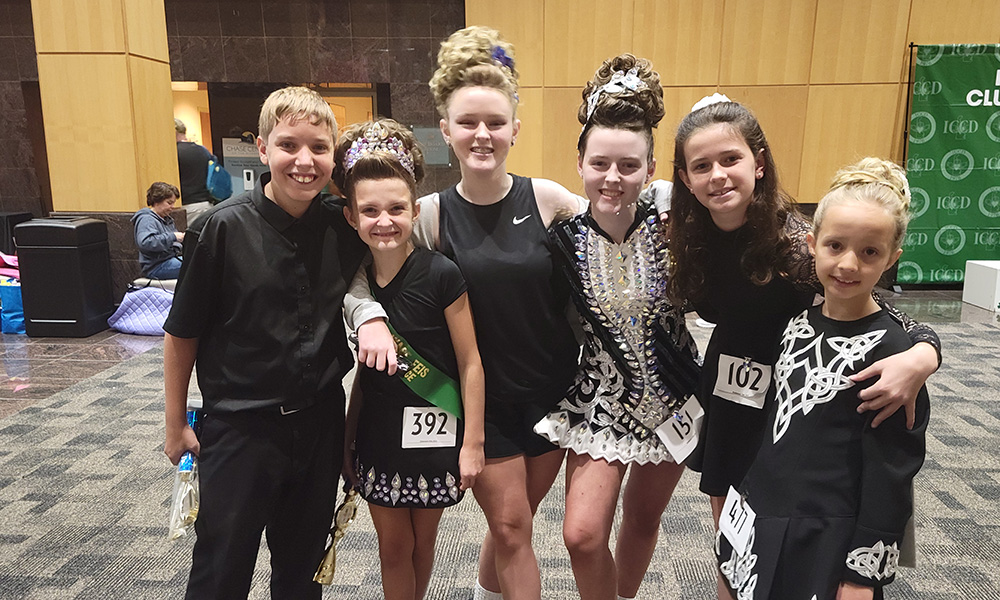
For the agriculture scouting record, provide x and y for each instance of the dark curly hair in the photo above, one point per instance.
(160, 191)
(632, 110)
(691, 222)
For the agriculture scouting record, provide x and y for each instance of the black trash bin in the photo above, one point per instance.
(65, 268)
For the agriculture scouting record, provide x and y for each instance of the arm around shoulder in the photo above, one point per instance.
(556, 203)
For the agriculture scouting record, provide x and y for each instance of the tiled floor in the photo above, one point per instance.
(36, 368)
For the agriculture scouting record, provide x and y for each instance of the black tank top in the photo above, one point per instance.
(518, 298)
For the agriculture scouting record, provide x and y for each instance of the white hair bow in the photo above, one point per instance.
(620, 81)
(710, 100)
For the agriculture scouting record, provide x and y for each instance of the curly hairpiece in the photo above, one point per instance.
(474, 56)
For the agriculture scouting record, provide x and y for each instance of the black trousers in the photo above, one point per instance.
(264, 471)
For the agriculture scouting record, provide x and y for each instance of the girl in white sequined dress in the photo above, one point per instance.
(639, 362)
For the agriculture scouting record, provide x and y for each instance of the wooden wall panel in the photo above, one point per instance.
(683, 39)
(845, 123)
(561, 133)
(954, 22)
(79, 25)
(581, 34)
(520, 22)
(527, 157)
(89, 138)
(155, 148)
(677, 102)
(781, 111)
(767, 42)
(145, 29)
(859, 41)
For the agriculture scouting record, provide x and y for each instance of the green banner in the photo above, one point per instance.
(953, 162)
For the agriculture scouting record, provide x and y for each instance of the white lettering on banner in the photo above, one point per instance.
(946, 275)
(961, 127)
(983, 97)
(915, 239)
(920, 164)
(998, 78)
(953, 204)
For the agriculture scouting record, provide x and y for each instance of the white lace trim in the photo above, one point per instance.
(580, 439)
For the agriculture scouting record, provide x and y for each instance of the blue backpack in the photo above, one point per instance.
(218, 182)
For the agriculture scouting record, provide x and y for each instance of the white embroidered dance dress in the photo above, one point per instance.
(639, 361)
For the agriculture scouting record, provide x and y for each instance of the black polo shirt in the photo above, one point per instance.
(263, 292)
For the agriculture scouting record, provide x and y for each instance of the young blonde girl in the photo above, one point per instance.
(417, 449)
(832, 494)
(737, 243)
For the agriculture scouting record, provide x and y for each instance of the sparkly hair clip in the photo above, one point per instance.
(620, 81)
(501, 58)
(377, 139)
(710, 100)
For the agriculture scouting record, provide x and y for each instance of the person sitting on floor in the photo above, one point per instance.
(158, 240)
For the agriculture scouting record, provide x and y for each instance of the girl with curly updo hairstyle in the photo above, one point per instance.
(474, 56)
(424, 296)
(639, 362)
(738, 246)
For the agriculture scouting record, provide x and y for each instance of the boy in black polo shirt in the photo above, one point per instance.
(258, 307)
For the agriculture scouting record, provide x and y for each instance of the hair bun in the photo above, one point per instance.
(624, 87)
(473, 56)
(871, 170)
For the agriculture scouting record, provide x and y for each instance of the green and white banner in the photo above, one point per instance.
(953, 163)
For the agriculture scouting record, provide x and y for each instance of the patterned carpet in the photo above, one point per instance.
(84, 495)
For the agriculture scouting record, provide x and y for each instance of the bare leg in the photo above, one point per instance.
(501, 491)
(541, 472)
(425, 528)
(647, 493)
(717, 502)
(395, 551)
(592, 488)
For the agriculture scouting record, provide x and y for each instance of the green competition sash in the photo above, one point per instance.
(426, 380)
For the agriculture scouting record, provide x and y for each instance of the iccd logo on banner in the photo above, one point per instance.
(926, 87)
(993, 127)
(949, 240)
(929, 54)
(957, 164)
(953, 203)
(919, 201)
(915, 239)
(918, 165)
(961, 127)
(909, 272)
(989, 202)
(987, 239)
(922, 127)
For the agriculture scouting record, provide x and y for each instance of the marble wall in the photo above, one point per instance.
(19, 185)
(358, 41)
(348, 41)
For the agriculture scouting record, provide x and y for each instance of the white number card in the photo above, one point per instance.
(742, 381)
(736, 521)
(679, 433)
(428, 427)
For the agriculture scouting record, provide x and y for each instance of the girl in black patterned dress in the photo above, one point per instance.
(418, 445)
(831, 493)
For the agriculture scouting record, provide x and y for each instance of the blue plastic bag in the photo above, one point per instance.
(11, 307)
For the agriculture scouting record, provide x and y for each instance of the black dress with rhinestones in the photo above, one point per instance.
(415, 477)
(831, 494)
(639, 361)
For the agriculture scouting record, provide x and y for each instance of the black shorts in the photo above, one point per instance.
(509, 428)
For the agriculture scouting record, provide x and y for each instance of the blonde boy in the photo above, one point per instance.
(257, 308)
